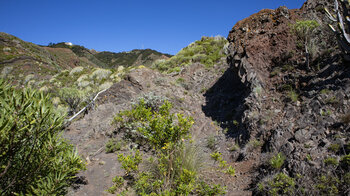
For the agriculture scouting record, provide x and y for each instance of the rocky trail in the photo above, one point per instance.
(91, 132)
(260, 101)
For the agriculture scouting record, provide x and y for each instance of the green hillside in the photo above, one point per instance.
(107, 59)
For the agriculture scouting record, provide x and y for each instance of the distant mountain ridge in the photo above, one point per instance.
(108, 59)
(19, 58)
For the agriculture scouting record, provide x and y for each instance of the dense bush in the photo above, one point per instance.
(157, 128)
(174, 168)
(34, 158)
(72, 97)
(280, 184)
(114, 145)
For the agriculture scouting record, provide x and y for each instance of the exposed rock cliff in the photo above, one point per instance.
(292, 109)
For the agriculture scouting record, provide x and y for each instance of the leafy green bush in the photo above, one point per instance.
(222, 163)
(334, 147)
(345, 161)
(205, 189)
(160, 129)
(216, 156)
(328, 185)
(130, 163)
(117, 183)
(174, 168)
(254, 143)
(113, 145)
(34, 158)
(331, 161)
(280, 184)
(230, 170)
(72, 97)
(277, 161)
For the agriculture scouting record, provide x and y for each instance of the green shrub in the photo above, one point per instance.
(346, 178)
(151, 101)
(160, 129)
(113, 145)
(174, 169)
(328, 185)
(211, 142)
(325, 91)
(71, 97)
(293, 96)
(345, 161)
(254, 143)
(304, 30)
(130, 163)
(216, 156)
(331, 161)
(147, 184)
(34, 158)
(277, 161)
(281, 184)
(230, 170)
(204, 189)
(334, 147)
(118, 182)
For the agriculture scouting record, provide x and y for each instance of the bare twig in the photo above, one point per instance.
(86, 107)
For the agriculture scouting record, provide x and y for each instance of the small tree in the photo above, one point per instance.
(304, 29)
(34, 158)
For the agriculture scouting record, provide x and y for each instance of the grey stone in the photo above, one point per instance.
(302, 135)
(287, 148)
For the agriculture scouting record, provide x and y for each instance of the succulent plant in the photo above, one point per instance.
(342, 17)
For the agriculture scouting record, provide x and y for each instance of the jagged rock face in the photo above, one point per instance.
(315, 10)
(256, 45)
(259, 39)
(303, 129)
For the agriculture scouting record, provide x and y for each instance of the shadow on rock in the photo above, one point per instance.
(225, 104)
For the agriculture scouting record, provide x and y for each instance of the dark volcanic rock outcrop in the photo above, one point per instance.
(291, 109)
(257, 41)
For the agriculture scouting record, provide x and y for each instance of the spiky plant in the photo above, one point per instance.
(342, 17)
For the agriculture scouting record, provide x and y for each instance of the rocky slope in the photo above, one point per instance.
(298, 111)
(280, 117)
(187, 90)
(266, 104)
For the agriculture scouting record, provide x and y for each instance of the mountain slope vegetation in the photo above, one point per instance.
(107, 59)
(264, 112)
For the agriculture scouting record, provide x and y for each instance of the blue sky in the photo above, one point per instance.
(123, 25)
